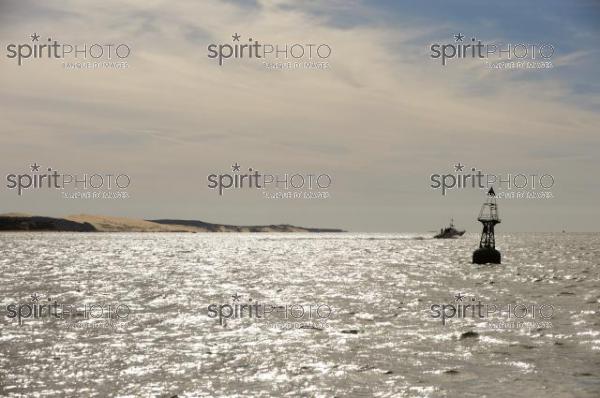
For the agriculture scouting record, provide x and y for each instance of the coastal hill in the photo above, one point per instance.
(92, 223)
(21, 222)
(208, 227)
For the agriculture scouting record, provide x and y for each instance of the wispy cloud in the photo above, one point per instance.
(383, 98)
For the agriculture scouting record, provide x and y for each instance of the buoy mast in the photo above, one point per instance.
(488, 216)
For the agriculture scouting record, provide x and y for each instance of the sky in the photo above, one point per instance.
(380, 120)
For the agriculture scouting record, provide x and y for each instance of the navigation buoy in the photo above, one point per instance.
(488, 216)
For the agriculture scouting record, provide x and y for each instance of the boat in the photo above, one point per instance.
(449, 232)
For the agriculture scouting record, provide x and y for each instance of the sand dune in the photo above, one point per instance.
(124, 224)
(96, 223)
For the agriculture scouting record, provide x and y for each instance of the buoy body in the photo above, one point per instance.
(486, 255)
(488, 216)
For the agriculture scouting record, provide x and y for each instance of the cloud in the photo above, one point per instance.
(382, 99)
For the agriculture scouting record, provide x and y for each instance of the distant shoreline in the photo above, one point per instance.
(89, 223)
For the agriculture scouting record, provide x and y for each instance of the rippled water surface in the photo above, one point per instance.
(381, 339)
